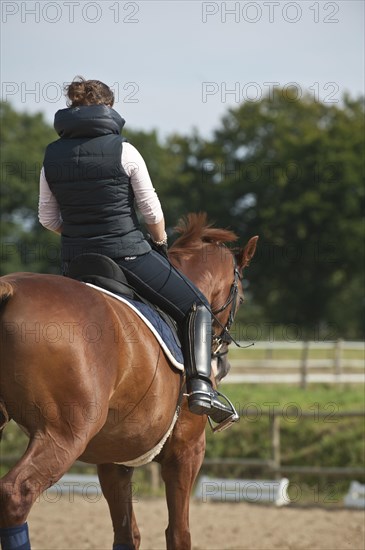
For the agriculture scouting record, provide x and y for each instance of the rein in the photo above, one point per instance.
(232, 299)
(225, 337)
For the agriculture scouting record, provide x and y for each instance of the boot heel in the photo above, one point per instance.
(197, 406)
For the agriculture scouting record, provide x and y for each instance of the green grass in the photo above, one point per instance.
(343, 397)
(277, 353)
(323, 441)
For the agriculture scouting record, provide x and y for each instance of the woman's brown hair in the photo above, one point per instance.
(88, 92)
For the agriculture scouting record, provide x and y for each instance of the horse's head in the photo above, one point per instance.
(202, 254)
(230, 295)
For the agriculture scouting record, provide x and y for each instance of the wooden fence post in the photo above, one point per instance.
(304, 365)
(275, 442)
(337, 362)
(155, 476)
(269, 351)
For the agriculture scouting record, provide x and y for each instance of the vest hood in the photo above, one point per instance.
(87, 121)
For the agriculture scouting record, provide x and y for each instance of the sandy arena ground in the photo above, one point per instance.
(84, 525)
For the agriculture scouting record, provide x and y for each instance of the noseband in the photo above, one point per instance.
(224, 337)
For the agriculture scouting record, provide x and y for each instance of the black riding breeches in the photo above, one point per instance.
(158, 281)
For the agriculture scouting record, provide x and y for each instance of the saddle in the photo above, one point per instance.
(100, 271)
(103, 272)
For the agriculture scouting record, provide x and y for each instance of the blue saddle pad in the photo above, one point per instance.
(166, 335)
(164, 330)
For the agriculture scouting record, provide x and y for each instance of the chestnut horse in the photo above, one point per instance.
(86, 379)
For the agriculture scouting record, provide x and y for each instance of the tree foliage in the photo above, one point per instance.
(292, 172)
(24, 243)
(288, 170)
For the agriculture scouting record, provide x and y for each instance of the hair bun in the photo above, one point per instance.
(88, 92)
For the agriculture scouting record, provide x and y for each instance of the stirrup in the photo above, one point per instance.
(210, 408)
(227, 422)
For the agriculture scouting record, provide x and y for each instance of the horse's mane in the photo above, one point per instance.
(195, 231)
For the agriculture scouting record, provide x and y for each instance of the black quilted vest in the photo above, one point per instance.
(84, 172)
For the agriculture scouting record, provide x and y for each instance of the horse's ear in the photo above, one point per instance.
(246, 254)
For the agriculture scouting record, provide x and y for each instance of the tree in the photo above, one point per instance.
(292, 172)
(25, 245)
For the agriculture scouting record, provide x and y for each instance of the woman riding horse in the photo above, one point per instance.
(89, 181)
(111, 400)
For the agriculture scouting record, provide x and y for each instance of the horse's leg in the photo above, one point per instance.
(48, 456)
(180, 464)
(117, 487)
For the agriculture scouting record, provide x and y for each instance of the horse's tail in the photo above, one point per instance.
(6, 291)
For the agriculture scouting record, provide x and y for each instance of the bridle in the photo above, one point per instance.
(224, 337)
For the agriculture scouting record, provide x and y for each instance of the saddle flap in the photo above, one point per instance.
(101, 271)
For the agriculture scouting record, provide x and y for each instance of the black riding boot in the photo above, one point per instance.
(202, 398)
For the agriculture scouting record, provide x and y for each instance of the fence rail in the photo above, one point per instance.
(274, 464)
(268, 362)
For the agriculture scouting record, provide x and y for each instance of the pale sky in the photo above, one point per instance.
(175, 65)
